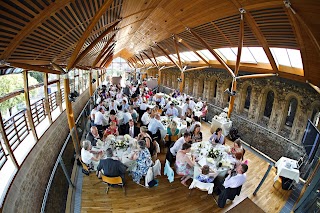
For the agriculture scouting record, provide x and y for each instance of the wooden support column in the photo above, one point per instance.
(90, 83)
(159, 77)
(70, 116)
(182, 83)
(59, 95)
(28, 107)
(98, 73)
(7, 144)
(46, 97)
(234, 82)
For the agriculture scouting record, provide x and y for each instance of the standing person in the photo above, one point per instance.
(92, 114)
(100, 120)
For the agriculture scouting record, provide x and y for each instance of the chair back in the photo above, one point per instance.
(166, 138)
(148, 177)
(174, 138)
(169, 171)
(84, 166)
(156, 168)
(112, 180)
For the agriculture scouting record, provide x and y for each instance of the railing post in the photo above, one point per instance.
(59, 95)
(90, 83)
(69, 112)
(28, 107)
(65, 172)
(46, 97)
(7, 144)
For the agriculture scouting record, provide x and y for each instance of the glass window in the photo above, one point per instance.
(228, 54)
(182, 58)
(191, 55)
(259, 54)
(246, 55)
(163, 59)
(207, 54)
(248, 97)
(269, 104)
(295, 58)
(291, 112)
(281, 56)
(315, 116)
(215, 88)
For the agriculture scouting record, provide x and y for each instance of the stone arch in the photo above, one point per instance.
(262, 100)
(242, 96)
(289, 97)
(315, 113)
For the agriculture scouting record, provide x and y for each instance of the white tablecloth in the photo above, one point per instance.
(182, 127)
(222, 123)
(287, 168)
(200, 151)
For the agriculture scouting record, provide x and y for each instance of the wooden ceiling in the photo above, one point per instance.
(38, 32)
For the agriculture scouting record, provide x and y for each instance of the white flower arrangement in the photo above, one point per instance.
(121, 144)
(127, 137)
(111, 137)
(214, 153)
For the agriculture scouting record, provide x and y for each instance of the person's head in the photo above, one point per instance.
(187, 137)
(94, 130)
(238, 155)
(196, 128)
(142, 144)
(124, 102)
(242, 168)
(186, 147)
(112, 112)
(205, 170)
(148, 110)
(112, 102)
(109, 153)
(196, 118)
(95, 106)
(189, 111)
(187, 100)
(101, 103)
(157, 116)
(169, 99)
(131, 123)
(218, 131)
(237, 143)
(171, 105)
(143, 129)
(204, 103)
(101, 109)
(86, 145)
(199, 99)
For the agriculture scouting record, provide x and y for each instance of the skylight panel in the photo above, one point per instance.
(281, 56)
(182, 58)
(163, 59)
(295, 58)
(207, 54)
(246, 55)
(259, 54)
(191, 55)
(228, 54)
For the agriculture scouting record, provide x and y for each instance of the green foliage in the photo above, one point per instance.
(36, 75)
(11, 83)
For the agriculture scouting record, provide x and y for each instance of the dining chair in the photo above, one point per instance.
(85, 168)
(113, 181)
(206, 187)
(156, 169)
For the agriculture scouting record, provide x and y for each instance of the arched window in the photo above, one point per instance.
(215, 88)
(291, 112)
(269, 104)
(248, 97)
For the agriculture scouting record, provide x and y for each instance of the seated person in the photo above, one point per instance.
(195, 121)
(145, 119)
(92, 114)
(237, 147)
(234, 179)
(217, 137)
(172, 130)
(199, 104)
(101, 106)
(111, 167)
(89, 157)
(148, 140)
(111, 130)
(204, 110)
(93, 135)
(134, 114)
(155, 126)
(131, 129)
(113, 117)
(184, 165)
(205, 176)
(125, 105)
(172, 111)
(196, 135)
(178, 144)
(113, 106)
(189, 114)
(143, 159)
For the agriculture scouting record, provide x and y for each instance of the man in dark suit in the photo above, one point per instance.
(93, 136)
(131, 129)
(111, 167)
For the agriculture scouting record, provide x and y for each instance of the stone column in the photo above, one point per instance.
(300, 122)
(278, 114)
(253, 113)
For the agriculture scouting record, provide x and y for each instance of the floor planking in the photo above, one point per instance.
(175, 197)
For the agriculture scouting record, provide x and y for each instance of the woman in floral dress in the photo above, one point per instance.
(184, 165)
(143, 159)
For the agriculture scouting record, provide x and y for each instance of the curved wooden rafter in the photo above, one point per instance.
(98, 58)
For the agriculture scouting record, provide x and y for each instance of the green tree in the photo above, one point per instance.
(11, 83)
(37, 75)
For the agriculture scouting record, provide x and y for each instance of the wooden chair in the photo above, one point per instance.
(85, 167)
(174, 138)
(113, 181)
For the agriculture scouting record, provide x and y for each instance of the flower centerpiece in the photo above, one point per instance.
(214, 153)
(121, 144)
(127, 137)
(175, 102)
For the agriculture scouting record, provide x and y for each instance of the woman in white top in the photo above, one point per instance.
(89, 157)
(217, 137)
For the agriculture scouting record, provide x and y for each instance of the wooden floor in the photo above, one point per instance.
(175, 197)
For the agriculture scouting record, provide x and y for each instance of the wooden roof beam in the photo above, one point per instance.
(167, 54)
(177, 50)
(102, 51)
(87, 32)
(142, 59)
(256, 76)
(142, 63)
(107, 55)
(104, 54)
(154, 57)
(150, 59)
(240, 45)
(180, 40)
(262, 40)
(97, 40)
(108, 59)
(218, 57)
(220, 31)
(34, 67)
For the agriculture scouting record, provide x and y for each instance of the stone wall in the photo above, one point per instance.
(28, 187)
(270, 135)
